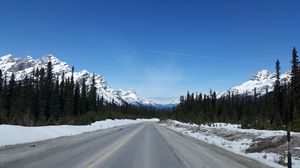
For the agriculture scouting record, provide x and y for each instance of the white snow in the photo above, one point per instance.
(13, 134)
(211, 134)
(262, 81)
(24, 66)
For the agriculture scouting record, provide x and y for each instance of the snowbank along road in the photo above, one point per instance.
(143, 145)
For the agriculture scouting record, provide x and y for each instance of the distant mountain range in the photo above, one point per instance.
(22, 66)
(262, 80)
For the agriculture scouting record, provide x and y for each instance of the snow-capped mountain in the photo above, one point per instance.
(165, 102)
(22, 66)
(262, 81)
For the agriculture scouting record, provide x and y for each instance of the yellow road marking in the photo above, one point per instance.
(109, 151)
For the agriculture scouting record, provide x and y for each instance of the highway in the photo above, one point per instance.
(143, 145)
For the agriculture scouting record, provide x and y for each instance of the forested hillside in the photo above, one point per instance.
(277, 109)
(42, 99)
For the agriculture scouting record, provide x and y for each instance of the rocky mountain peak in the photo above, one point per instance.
(262, 81)
(261, 75)
(22, 66)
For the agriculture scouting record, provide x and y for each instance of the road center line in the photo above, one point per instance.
(113, 148)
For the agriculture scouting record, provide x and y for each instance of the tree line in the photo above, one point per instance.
(277, 109)
(42, 99)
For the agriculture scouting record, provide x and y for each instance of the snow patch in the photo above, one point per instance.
(14, 134)
(232, 138)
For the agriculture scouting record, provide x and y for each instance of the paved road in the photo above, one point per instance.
(144, 145)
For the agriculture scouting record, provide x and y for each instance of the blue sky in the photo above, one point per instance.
(160, 48)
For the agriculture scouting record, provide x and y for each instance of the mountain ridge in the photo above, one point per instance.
(262, 81)
(23, 66)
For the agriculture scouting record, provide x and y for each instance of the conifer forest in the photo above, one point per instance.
(42, 99)
(277, 109)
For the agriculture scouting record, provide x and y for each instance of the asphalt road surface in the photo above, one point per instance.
(144, 145)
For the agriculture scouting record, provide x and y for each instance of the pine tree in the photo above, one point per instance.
(55, 103)
(83, 98)
(42, 97)
(2, 118)
(278, 102)
(17, 106)
(11, 93)
(92, 95)
(1, 82)
(62, 95)
(295, 91)
(76, 99)
(48, 90)
(21, 109)
(72, 82)
(35, 100)
(286, 105)
(27, 97)
(69, 101)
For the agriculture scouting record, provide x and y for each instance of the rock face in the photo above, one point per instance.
(22, 66)
(262, 81)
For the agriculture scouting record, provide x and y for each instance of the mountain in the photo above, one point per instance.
(22, 66)
(165, 102)
(262, 81)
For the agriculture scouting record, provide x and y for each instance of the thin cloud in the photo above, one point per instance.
(180, 54)
(157, 81)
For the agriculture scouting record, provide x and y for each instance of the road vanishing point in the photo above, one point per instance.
(142, 145)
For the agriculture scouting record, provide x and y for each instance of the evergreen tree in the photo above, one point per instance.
(55, 102)
(39, 99)
(11, 93)
(92, 96)
(83, 98)
(35, 100)
(1, 82)
(76, 99)
(27, 90)
(69, 101)
(42, 96)
(295, 91)
(286, 105)
(2, 118)
(72, 82)
(48, 90)
(17, 107)
(278, 101)
(21, 109)
(62, 95)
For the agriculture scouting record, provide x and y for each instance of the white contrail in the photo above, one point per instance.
(180, 54)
